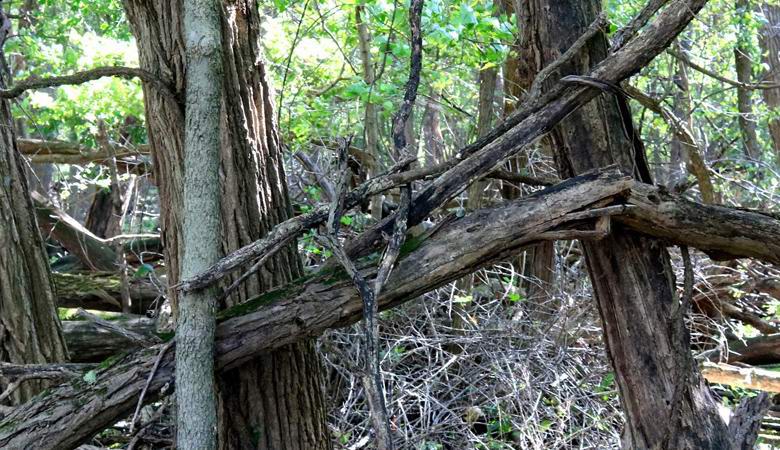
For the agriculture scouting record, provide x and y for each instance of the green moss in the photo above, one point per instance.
(8, 425)
(111, 360)
(166, 335)
(253, 304)
(411, 244)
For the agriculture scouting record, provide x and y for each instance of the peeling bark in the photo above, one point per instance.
(29, 328)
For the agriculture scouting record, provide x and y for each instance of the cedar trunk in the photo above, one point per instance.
(29, 330)
(276, 401)
(633, 285)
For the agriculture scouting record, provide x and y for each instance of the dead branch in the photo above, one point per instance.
(530, 121)
(685, 60)
(88, 75)
(73, 412)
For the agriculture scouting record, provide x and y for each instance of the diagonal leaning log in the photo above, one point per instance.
(533, 119)
(71, 413)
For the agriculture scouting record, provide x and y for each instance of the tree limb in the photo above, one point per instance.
(85, 76)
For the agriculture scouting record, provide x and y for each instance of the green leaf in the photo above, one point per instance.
(143, 270)
(90, 377)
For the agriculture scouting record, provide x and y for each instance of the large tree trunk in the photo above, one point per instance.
(29, 330)
(536, 264)
(633, 285)
(276, 401)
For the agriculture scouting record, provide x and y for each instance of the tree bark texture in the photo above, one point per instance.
(769, 40)
(29, 328)
(276, 401)
(196, 397)
(744, 68)
(630, 274)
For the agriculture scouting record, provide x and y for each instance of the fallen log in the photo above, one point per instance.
(101, 291)
(744, 377)
(71, 413)
(77, 240)
(308, 307)
(758, 351)
(721, 232)
(90, 343)
(59, 152)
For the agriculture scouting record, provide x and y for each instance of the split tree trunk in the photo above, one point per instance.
(632, 281)
(276, 401)
(30, 331)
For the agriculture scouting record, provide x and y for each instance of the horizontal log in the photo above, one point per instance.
(101, 291)
(744, 377)
(721, 232)
(71, 413)
(60, 152)
(758, 351)
(90, 343)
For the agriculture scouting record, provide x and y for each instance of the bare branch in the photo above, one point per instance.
(88, 75)
(685, 60)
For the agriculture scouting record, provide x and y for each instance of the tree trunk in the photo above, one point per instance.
(431, 130)
(196, 397)
(633, 285)
(276, 401)
(769, 39)
(101, 220)
(520, 70)
(30, 330)
(744, 68)
(371, 124)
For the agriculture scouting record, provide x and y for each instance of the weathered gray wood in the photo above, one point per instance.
(721, 232)
(71, 413)
(101, 291)
(90, 343)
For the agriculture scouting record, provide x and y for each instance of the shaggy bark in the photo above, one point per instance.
(29, 328)
(631, 274)
(254, 199)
